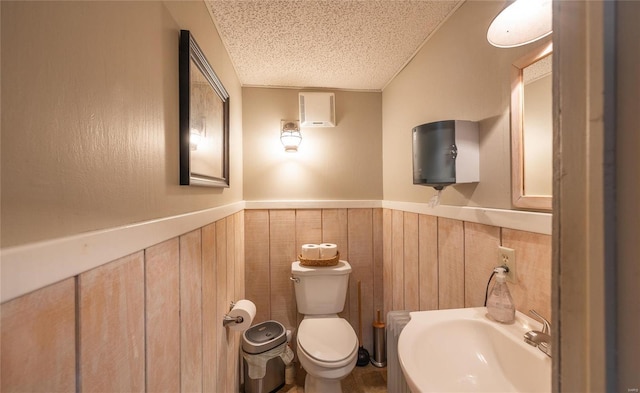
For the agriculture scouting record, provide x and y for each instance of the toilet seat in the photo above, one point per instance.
(329, 341)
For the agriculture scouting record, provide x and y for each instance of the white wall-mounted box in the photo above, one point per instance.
(317, 109)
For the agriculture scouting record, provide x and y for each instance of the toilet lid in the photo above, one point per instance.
(327, 339)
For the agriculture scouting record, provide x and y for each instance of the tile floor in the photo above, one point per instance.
(368, 379)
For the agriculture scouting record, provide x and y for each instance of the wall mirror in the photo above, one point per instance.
(532, 130)
(204, 119)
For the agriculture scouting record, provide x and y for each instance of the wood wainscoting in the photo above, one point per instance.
(151, 320)
(148, 321)
(404, 260)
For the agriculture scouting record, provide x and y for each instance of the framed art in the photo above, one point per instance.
(204, 119)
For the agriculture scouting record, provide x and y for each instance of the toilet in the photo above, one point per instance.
(327, 344)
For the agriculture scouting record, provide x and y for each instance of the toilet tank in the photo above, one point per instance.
(320, 289)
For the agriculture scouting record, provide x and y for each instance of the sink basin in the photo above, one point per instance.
(462, 350)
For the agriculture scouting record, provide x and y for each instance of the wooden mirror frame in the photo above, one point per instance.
(518, 196)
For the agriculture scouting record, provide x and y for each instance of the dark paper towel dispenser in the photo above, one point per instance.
(446, 152)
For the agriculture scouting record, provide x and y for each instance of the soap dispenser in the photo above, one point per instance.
(500, 303)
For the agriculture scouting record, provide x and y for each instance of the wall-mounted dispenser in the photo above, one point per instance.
(446, 152)
(317, 109)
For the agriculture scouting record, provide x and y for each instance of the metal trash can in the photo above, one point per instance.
(261, 348)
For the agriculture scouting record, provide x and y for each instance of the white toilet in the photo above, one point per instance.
(327, 344)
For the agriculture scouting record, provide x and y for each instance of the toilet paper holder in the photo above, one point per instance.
(228, 319)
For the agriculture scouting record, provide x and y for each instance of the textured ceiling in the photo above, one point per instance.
(537, 70)
(341, 44)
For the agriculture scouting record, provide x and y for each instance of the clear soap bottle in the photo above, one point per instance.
(500, 303)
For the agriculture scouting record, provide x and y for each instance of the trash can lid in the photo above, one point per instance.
(263, 337)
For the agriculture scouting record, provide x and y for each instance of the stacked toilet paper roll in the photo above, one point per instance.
(328, 250)
(310, 251)
(247, 310)
(319, 251)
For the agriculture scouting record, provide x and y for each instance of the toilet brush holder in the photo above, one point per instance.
(379, 358)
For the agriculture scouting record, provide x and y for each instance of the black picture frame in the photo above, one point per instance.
(204, 119)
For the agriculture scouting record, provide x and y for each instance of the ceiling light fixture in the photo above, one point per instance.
(290, 135)
(520, 23)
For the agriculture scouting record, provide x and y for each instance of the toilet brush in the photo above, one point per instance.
(363, 355)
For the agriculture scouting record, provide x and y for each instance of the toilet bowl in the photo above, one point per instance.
(327, 344)
(328, 351)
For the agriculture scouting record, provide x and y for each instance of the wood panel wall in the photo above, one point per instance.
(439, 263)
(405, 261)
(273, 242)
(38, 340)
(151, 321)
(111, 327)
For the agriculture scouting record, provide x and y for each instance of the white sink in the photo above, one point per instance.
(462, 350)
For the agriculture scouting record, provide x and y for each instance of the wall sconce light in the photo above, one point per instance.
(198, 133)
(290, 135)
(520, 23)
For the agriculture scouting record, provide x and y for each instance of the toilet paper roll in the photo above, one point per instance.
(289, 335)
(245, 309)
(328, 250)
(310, 251)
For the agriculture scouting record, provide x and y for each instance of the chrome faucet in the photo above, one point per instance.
(540, 339)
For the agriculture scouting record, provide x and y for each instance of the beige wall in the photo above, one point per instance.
(456, 75)
(342, 162)
(90, 115)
